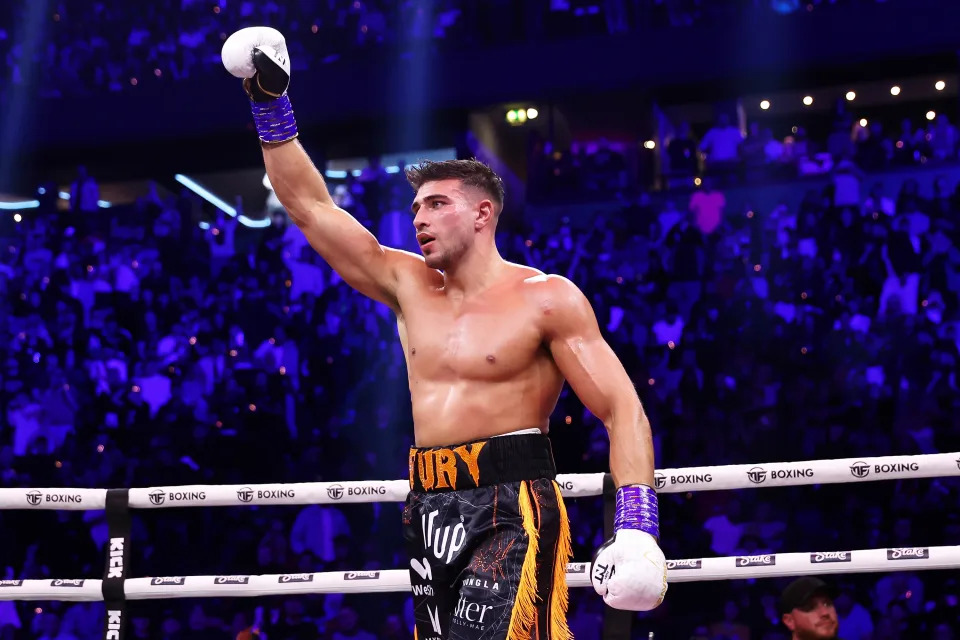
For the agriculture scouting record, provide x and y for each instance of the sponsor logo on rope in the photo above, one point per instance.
(362, 575)
(758, 475)
(470, 614)
(766, 560)
(566, 485)
(378, 490)
(159, 496)
(823, 557)
(958, 463)
(11, 583)
(232, 580)
(692, 478)
(35, 498)
(659, 480)
(113, 624)
(169, 580)
(577, 567)
(63, 582)
(896, 467)
(335, 491)
(908, 553)
(860, 469)
(295, 577)
(684, 564)
(115, 569)
(246, 494)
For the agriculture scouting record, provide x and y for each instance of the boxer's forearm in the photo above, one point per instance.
(631, 444)
(298, 184)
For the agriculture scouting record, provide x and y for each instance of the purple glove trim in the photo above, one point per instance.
(637, 509)
(274, 120)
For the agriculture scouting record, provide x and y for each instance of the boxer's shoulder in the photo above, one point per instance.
(552, 292)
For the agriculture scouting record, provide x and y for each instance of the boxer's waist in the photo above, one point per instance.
(481, 463)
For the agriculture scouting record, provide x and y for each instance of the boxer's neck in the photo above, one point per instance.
(479, 268)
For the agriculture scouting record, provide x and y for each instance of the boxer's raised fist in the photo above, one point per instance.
(259, 56)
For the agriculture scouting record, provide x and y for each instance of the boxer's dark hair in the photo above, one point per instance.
(472, 173)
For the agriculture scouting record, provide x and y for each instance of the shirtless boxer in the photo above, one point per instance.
(488, 345)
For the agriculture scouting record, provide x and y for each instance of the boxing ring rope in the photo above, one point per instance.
(772, 565)
(115, 588)
(689, 479)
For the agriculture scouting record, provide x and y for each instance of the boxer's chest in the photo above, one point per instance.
(493, 337)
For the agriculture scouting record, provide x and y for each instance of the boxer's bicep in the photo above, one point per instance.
(581, 354)
(345, 244)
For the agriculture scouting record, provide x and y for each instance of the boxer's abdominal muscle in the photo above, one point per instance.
(476, 368)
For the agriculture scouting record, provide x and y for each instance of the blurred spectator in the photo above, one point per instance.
(707, 206)
(730, 627)
(84, 192)
(854, 619)
(721, 146)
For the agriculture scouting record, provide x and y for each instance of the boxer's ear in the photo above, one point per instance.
(486, 214)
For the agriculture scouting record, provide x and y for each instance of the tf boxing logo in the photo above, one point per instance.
(245, 494)
(860, 469)
(34, 498)
(335, 492)
(757, 475)
(659, 480)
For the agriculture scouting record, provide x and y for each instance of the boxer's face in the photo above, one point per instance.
(817, 619)
(445, 218)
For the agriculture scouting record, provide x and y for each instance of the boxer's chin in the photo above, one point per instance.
(432, 256)
(434, 260)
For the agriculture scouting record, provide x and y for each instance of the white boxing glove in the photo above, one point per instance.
(238, 50)
(259, 56)
(630, 572)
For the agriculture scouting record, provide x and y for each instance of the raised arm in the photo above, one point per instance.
(598, 378)
(259, 55)
(346, 245)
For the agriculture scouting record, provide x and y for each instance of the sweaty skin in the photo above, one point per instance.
(488, 343)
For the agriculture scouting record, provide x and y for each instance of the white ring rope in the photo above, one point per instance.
(777, 474)
(578, 575)
(738, 476)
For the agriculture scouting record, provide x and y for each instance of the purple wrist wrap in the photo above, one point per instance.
(274, 120)
(637, 509)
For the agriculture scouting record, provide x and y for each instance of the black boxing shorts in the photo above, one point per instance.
(489, 541)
